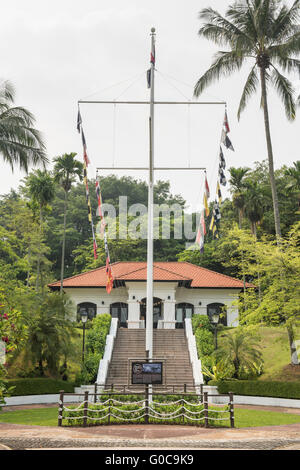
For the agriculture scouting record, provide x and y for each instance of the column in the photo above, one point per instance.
(169, 314)
(133, 314)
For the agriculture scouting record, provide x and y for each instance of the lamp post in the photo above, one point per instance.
(215, 320)
(84, 317)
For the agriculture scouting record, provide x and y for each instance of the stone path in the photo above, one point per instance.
(151, 436)
(17, 436)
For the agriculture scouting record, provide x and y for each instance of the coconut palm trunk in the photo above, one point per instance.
(63, 244)
(270, 153)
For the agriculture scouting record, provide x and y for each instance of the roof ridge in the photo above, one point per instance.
(169, 271)
(158, 267)
(215, 272)
(85, 272)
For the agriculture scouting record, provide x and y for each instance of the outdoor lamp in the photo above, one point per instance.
(84, 317)
(215, 320)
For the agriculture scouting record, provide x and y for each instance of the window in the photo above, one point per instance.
(120, 310)
(183, 311)
(89, 307)
(220, 309)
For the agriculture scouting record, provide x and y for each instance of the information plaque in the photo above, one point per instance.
(147, 373)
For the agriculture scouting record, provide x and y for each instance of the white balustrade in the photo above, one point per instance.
(195, 361)
(109, 346)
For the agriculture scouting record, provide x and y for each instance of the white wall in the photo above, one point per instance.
(162, 290)
(96, 296)
(209, 296)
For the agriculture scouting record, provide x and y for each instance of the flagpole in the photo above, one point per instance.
(149, 307)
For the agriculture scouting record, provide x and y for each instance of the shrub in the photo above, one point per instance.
(40, 386)
(201, 321)
(259, 388)
(95, 346)
(205, 342)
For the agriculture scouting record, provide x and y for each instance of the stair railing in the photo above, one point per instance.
(195, 361)
(105, 361)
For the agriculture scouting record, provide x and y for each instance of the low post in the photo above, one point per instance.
(109, 406)
(96, 390)
(205, 403)
(60, 407)
(231, 409)
(184, 388)
(147, 404)
(85, 409)
(182, 410)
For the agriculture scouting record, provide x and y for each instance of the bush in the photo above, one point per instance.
(95, 346)
(259, 388)
(201, 321)
(204, 342)
(38, 386)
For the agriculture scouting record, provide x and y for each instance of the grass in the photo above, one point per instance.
(243, 417)
(276, 353)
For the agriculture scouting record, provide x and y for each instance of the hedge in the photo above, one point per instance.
(259, 388)
(38, 386)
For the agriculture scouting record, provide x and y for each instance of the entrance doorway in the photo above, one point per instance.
(157, 310)
(183, 311)
(120, 310)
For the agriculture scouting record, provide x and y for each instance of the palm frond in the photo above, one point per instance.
(284, 23)
(249, 88)
(228, 32)
(285, 91)
(7, 92)
(289, 47)
(225, 64)
(20, 142)
(288, 64)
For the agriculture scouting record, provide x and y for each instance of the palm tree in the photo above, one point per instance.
(20, 142)
(65, 171)
(41, 189)
(294, 173)
(241, 351)
(237, 176)
(266, 32)
(254, 204)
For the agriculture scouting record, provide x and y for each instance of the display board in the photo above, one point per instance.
(146, 373)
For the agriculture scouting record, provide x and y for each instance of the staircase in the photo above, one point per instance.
(170, 345)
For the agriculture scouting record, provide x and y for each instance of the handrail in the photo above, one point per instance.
(109, 346)
(195, 361)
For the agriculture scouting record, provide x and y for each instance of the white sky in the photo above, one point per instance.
(57, 52)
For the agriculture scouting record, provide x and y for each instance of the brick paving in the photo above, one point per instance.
(151, 436)
(17, 436)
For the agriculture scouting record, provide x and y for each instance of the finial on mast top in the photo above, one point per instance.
(152, 30)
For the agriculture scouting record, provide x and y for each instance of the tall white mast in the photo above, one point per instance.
(149, 305)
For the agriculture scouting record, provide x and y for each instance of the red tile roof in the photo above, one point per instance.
(196, 276)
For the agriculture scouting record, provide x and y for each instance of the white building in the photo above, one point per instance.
(180, 289)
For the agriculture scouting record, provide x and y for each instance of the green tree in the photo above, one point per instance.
(242, 351)
(237, 188)
(278, 269)
(40, 186)
(66, 169)
(20, 142)
(254, 204)
(294, 184)
(50, 329)
(265, 31)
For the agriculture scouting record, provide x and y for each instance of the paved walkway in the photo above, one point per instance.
(17, 436)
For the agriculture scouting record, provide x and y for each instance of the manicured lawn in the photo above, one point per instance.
(39, 417)
(243, 417)
(251, 418)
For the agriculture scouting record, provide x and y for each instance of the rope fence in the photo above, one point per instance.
(114, 407)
